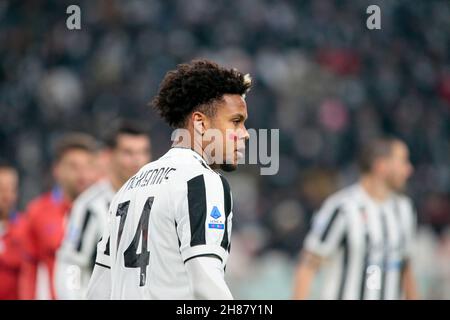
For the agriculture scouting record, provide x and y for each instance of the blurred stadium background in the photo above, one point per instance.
(326, 81)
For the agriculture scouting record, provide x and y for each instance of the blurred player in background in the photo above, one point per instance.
(170, 224)
(363, 234)
(128, 149)
(45, 217)
(9, 233)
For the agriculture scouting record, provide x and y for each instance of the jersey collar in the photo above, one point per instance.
(196, 155)
(367, 197)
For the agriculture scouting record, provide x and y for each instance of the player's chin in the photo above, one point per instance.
(399, 187)
(232, 162)
(78, 189)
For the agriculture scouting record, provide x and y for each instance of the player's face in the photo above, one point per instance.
(229, 119)
(131, 153)
(8, 191)
(398, 166)
(75, 172)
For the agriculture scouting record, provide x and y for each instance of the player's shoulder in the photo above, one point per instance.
(200, 173)
(46, 208)
(192, 174)
(16, 223)
(94, 193)
(404, 200)
(40, 203)
(402, 197)
(342, 197)
(188, 164)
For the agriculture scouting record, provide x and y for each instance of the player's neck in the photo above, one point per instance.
(67, 197)
(192, 144)
(375, 188)
(3, 225)
(5, 217)
(116, 182)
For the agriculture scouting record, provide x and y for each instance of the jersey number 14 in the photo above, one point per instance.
(133, 259)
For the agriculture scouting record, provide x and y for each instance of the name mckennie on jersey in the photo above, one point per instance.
(149, 177)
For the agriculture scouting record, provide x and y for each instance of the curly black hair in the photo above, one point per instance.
(195, 86)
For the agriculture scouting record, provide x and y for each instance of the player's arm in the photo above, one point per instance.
(73, 259)
(206, 276)
(307, 268)
(322, 241)
(29, 261)
(409, 282)
(408, 278)
(204, 227)
(99, 286)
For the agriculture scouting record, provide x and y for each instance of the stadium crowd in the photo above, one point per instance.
(320, 76)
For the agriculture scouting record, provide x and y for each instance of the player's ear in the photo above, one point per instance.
(200, 122)
(380, 165)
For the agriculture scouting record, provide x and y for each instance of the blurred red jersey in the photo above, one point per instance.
(44, 226)
(10, 258)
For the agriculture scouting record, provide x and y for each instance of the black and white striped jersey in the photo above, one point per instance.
(174, 209)
(76, 256)
(365, 244)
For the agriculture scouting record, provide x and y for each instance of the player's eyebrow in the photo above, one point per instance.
(240, 116)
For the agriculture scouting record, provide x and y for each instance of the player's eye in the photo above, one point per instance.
(236, 121)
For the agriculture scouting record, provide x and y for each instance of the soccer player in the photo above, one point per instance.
(45, 216)
(128, 149)
(170, 224)
(363, 234)
(9, 233)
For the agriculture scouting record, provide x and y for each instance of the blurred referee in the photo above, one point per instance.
(362, 235)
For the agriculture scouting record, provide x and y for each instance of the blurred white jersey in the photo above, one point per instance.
(174, 209)
(366, 244)
(76, 256)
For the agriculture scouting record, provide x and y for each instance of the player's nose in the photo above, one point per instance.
(245, 135)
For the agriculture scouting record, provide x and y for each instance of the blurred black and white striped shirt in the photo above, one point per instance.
(365, 244)
(76, 257)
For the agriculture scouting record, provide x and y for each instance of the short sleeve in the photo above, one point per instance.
(327, 230)
(204, 217)
(99, 286)
(103, 247)
(81, 237)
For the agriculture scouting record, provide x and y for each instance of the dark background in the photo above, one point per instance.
(320, 76)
